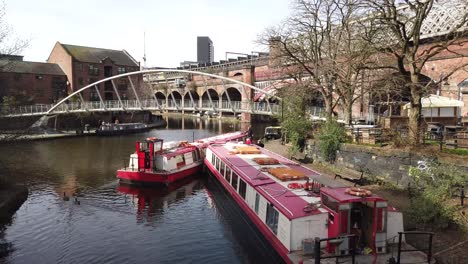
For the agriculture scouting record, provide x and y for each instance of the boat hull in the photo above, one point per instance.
(275, 243)
(149, 177)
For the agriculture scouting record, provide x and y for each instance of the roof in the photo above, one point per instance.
(291, 203)
(30, 67)
(433, 100)
(342, 196)
(97, 55)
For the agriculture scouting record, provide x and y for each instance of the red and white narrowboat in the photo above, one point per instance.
(156, 162)
(291, 205)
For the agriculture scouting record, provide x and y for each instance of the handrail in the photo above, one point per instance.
(145, 104)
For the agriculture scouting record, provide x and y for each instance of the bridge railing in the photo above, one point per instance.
(147, 104)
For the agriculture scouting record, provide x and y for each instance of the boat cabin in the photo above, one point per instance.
(356, 211)
(155, 155)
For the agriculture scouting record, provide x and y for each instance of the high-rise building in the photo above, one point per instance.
(205, 50)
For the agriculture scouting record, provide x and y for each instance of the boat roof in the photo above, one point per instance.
(291, 202)
(342, 196)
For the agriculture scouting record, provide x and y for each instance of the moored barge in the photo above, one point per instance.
(157, 162)
(291, 205)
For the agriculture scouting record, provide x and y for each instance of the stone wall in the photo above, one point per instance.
(391, 165)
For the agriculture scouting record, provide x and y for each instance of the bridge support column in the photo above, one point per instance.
(247, 93)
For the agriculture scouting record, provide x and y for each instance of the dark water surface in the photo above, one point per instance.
(190, 222)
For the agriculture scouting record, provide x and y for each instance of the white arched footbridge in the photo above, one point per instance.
(75, 103)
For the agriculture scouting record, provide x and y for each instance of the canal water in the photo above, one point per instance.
(77, 212)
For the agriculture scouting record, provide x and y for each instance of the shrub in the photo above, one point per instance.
(434, 186)
(330, 136)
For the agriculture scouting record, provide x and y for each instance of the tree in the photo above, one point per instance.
(403, 38)
(9, 44)
(326, 40)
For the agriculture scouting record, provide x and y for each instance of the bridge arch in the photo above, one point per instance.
(231, 94)
(160, 95)
(130, 74)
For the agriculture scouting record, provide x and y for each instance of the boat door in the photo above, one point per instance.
(338, 225)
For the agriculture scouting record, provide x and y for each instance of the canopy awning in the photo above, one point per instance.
(434, 101)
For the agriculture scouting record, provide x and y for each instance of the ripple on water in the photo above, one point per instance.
(180, 225)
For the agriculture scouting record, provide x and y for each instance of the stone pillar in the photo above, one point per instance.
(248, 73)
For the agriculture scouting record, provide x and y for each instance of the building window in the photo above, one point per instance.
(242, 188)
(257, 202)
(122, 85)
(93, 70)
(121, 70)
(17, 77)
(272, 217)
(39, 77)
(80, 81)
(79, 67)
(94, 96)
(234, 181)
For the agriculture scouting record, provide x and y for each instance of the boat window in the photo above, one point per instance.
(228, 176)
(143, 146)
(242, 188)
(257, 202)
(228, 170)
(157, 146)
(329, 202)
(221, 167)
(272, 217)
(213, 159)
(217, 164)
(234, 181)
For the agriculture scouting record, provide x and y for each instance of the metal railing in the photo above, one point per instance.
(352, 251)
(430, 235)
(149, 104)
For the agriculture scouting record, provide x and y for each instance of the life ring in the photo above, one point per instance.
(295, 185)
(356, 191)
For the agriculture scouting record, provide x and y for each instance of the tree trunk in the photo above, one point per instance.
(414, 124)
(348, 113)
(328, 107)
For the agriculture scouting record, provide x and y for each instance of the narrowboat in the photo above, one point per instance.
(157, 162)
(292, 205)
(111, 129)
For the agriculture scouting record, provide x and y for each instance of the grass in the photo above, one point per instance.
(461, 152)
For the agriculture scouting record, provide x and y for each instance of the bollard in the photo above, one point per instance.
(399, 247)
(462, 195)
(317, 250)
(429, 252)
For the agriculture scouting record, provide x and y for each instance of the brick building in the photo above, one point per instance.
(31, 82)
(86, 65)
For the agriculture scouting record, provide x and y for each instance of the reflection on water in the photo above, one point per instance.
(78, 213)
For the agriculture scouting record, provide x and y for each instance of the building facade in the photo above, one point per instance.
(86, 65)
(205, 50)
(28, 83)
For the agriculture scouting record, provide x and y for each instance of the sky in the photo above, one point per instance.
(171, 27)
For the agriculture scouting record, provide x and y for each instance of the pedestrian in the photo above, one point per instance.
(260, 143)
(249, 132)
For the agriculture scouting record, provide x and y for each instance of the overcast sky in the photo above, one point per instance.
(171, 26)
